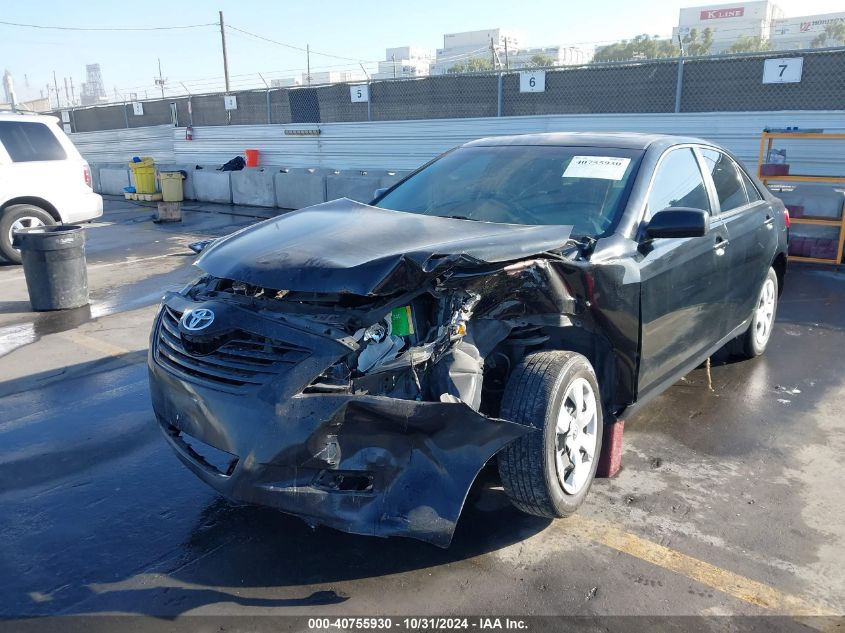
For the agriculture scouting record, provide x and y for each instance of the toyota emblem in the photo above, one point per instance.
(196, 320)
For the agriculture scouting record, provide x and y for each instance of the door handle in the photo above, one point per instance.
(769, 222)
(720, 245)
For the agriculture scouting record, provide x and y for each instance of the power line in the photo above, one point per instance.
(119, 28)
(296, 48)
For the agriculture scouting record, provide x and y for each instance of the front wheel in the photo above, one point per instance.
(16, 217)
(549, 472)
(756, 338)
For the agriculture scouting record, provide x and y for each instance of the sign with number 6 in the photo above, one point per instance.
(360, 94)
(532, 81)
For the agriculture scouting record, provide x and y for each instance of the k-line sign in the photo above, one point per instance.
(715, 14)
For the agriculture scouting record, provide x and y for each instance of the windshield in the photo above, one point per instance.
(585, 187)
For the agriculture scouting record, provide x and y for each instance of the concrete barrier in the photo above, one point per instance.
(355, 185)
(94, 168)
(212, 186)
(254, 186)
(113, 180)
(299, 188)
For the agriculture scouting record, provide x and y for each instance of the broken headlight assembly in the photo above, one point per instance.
(394, 352)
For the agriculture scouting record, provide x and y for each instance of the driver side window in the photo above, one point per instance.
(677, 183)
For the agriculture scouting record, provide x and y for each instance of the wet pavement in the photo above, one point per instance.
(729, 501)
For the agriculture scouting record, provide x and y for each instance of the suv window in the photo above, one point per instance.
(678, 183)
(729, 186)
(30, 141)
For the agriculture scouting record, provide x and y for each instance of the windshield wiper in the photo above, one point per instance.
(461, 217)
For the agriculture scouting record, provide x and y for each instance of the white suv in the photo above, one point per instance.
(43, 179)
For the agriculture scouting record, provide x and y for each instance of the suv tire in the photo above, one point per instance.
(19, 216)
(548, 473)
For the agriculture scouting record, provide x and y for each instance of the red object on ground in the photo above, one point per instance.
(610, 460)
(251, 157)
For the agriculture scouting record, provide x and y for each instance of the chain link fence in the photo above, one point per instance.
(705, 84)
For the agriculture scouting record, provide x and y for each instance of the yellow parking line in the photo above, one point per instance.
(104, 347)
(745, 589)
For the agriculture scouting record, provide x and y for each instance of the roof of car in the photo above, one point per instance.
(619, 140)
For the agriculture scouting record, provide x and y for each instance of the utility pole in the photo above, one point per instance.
(56, 86)
(393, 57)
(507, 63)
(161, 80)
(72, 93)
(225, 56)
(492, 53)
(67, 92)
(308, 63)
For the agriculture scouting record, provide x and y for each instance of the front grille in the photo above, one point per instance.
(243, 360)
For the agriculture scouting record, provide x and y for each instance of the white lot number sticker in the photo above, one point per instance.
(605, 167)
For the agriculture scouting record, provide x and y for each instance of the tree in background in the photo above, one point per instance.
(695, 47)
(472, 65)
(641, 47)
(541, 60)
(832, 35)
(750, 44)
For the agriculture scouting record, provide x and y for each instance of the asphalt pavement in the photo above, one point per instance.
(729, 501)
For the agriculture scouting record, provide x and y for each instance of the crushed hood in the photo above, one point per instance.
(346, 246)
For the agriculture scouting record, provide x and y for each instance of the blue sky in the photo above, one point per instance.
(360, 30)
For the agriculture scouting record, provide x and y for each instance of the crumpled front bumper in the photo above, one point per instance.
(363, 464)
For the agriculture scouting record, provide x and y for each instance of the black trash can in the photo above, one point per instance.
(54, 266)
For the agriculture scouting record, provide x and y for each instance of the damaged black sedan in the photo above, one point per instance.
(357, 365)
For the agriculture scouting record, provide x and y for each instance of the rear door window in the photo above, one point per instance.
(678, 183)
(729, 186)
(750, 188)
(30, 141)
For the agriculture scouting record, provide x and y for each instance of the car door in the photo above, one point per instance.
(683, 280)
(752, 239)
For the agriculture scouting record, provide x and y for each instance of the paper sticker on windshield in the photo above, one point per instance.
(606, 167)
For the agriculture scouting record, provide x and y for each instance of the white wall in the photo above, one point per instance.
(408, 144)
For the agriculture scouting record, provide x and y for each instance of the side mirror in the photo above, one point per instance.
(378, 192)
(678, 222)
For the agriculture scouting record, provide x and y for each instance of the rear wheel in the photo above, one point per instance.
(756, 337)
(548, 473)
(15, 218)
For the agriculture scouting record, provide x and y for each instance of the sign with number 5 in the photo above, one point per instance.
(783, 71)
(532, 81)
(360, 94)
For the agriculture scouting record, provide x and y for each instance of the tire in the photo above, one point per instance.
(22, 215)
(539, 387)
(756, 338)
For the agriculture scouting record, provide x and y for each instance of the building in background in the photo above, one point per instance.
(333, 77)
(498, 49)
(286, 82)
(93, 90)
(747, 22)
(405, 61)
(804, 31)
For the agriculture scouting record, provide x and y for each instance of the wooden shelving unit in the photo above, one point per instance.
(766, 141)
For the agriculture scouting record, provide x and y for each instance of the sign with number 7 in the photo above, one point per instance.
(783, 71)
